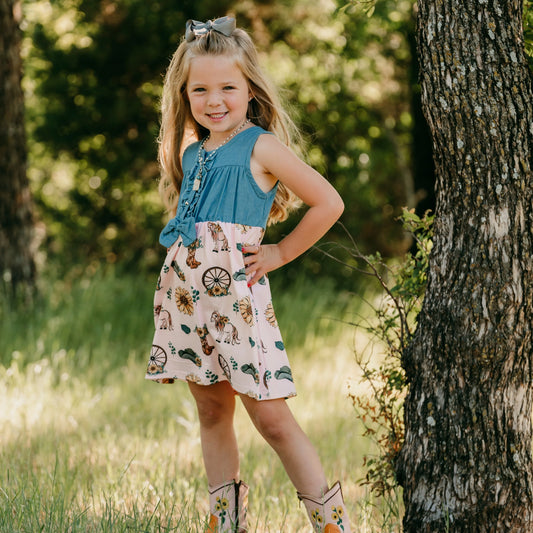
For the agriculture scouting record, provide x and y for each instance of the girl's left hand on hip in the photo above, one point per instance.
(260, 259)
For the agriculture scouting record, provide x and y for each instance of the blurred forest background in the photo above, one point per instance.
(93, 73)
(71, 367)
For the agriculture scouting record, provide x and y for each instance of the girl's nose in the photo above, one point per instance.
(214, 99)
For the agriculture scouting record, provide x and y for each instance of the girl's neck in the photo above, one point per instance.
(209, 143)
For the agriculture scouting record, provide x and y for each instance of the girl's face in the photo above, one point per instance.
(218, 94)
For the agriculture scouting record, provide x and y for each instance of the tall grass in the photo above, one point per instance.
(86, 444)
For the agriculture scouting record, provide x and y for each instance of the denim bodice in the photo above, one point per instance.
(227, 193)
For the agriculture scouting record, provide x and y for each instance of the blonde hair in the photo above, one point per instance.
(178, 125)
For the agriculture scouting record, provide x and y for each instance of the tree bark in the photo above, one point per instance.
(17, 266)
(466, 463)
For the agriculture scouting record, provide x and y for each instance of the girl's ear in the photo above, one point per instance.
(250, 96)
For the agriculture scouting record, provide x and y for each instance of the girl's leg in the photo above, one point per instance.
(216, 406)
(276, 423)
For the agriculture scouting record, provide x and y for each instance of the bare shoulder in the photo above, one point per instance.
(266, 149)
(268, 146)
(273, 159)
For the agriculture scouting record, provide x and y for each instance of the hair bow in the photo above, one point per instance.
(194, 29)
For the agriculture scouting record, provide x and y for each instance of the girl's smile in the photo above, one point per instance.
(218, 94)
(217, 117)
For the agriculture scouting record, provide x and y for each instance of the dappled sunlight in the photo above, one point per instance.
(31, 402)
(87, 439)
(126, 447)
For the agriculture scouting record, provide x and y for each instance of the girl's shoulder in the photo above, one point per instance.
(249, 137)
(267, 144)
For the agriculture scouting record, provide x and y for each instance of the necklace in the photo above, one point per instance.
(202, 161)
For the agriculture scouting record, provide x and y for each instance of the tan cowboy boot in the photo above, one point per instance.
(228, 504)
(327, 514)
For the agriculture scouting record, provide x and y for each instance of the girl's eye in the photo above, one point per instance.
(229, 87)
(198, 90)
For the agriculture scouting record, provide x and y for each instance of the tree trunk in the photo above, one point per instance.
(17, 266)
(466, 464)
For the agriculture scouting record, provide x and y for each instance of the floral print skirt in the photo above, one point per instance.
(209, 325)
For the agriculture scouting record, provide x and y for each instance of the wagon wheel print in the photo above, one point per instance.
(217, 280)
(158, 356)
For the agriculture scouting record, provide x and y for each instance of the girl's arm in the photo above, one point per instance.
(325, 206)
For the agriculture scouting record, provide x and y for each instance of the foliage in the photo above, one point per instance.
(380, 406)
(347, 77)
(93, 79)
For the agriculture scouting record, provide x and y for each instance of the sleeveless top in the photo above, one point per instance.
(228, 193)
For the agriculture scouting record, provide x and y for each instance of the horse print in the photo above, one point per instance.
(226, 330)
(218, 237)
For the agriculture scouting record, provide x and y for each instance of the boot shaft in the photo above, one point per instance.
(228, 504)
(327, 514)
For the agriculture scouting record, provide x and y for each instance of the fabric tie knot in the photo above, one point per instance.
(185, 228)
(194, 28)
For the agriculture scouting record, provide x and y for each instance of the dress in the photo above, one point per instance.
(209, 325)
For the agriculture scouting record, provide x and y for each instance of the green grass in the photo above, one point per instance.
(86, 444)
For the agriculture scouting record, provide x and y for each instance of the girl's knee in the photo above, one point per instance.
(274, 422)
(211, 413)
(272, 430)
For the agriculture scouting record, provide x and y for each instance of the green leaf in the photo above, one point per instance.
(283, 373)
(240, 275)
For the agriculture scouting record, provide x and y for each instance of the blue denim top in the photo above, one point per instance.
(227, 193)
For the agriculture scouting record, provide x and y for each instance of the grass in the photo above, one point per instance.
(86, 444)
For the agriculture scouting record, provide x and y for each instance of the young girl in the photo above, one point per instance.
(215, 325)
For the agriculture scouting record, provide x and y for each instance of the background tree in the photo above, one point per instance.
(466, 461)
(17, 265)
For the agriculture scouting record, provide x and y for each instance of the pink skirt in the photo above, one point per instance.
(209, 325)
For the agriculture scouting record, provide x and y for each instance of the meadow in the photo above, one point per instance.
(87, 445)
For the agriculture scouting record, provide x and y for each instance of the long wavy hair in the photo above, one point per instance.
(179, 129)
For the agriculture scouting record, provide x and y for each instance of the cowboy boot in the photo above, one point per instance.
(228, 504)
(327, 514)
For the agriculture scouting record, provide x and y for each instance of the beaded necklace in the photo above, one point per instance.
(202, 161)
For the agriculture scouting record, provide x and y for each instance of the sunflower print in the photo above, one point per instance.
(271, 316)
(154, 369)
(184, 301)
(245, 308)
(336, 514)
(317, 517)
(217, 291)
